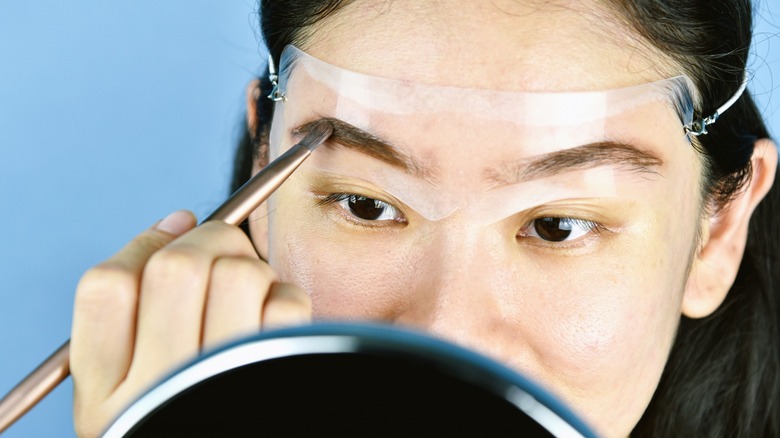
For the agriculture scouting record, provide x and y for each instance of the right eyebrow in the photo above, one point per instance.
(352, 137)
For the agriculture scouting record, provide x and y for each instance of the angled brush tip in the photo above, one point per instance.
(318, 133)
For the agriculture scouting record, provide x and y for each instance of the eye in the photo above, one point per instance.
(365, 208)
(368, 209)
(559, 229)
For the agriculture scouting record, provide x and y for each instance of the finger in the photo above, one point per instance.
(137, 252)
(286, 305)
(237, 290)
(174, 287)
(105, 306)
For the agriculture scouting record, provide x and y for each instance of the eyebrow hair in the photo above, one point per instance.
(588, 156)
(352, 137)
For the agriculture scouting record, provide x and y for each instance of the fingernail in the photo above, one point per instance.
(176, 223)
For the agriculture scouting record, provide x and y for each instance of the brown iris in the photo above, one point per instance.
(365, 208)
(553, 229)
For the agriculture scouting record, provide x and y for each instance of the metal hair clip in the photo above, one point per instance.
(276, 94)
(699, 126)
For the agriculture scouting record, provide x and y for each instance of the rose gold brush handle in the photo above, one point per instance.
(246, 199)
(35, 387)
(56, 368)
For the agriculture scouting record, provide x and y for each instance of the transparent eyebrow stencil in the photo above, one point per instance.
(481, 153)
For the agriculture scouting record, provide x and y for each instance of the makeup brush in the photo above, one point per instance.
(235, 210)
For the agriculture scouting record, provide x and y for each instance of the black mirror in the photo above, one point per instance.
(346, 380)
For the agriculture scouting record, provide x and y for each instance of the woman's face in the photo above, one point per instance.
(591, 313)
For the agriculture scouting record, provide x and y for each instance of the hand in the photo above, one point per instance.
(171, 292)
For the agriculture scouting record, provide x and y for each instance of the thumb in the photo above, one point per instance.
(176, 223)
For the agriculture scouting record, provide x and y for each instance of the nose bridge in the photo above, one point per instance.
(459, 289)
(463, 249)
(459, 247)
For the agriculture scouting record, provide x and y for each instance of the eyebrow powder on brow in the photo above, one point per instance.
(366, 143)
(581, 157)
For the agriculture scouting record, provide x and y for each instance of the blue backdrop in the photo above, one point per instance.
(113, 114)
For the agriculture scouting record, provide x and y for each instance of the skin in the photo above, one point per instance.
(593, 319)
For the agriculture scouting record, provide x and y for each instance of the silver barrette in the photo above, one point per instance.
(699, 126)
(276, 94)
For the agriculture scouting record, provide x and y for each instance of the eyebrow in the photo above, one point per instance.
(625, 156)
(352, 137)
(604, 153)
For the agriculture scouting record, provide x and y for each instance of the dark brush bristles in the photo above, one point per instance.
(318, 133)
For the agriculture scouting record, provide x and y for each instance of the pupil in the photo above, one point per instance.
(365, 208)
(553, 229)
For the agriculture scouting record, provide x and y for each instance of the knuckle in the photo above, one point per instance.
(246, 268)
(106, 273)
(262, 270)
(284, 316)
(301, 299)
(181, 260)
(83, 427)
(222, 228)
(106, 287)
(284, 310)
(293, 304)
(89, 420)
(230, 234)
(149, 242)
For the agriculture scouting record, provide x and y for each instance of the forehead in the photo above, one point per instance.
(478, 45)
(507, 45)
(472, 141)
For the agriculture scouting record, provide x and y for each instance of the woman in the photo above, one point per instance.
(637, 281)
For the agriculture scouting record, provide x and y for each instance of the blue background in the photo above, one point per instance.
(113, 114)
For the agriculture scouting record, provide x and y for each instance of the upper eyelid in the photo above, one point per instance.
(579, 212)
(337, 187)
(587, 223)
(341, 196)
(329, 198)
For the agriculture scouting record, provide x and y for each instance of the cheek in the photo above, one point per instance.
(601, 339)
(604, 344)
(344, 284)
(608, 323)
(355, 278)
(596, 329)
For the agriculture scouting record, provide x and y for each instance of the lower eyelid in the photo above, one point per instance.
(355, 221)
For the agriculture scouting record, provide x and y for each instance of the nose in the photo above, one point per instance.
(466, 292)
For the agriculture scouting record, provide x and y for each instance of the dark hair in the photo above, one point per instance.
(722, 377)
(723, 374)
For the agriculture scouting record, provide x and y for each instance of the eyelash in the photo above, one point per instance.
(589, 230)
(530, 231)
(337, 198)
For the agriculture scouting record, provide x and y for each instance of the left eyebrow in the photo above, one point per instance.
(588, 156)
